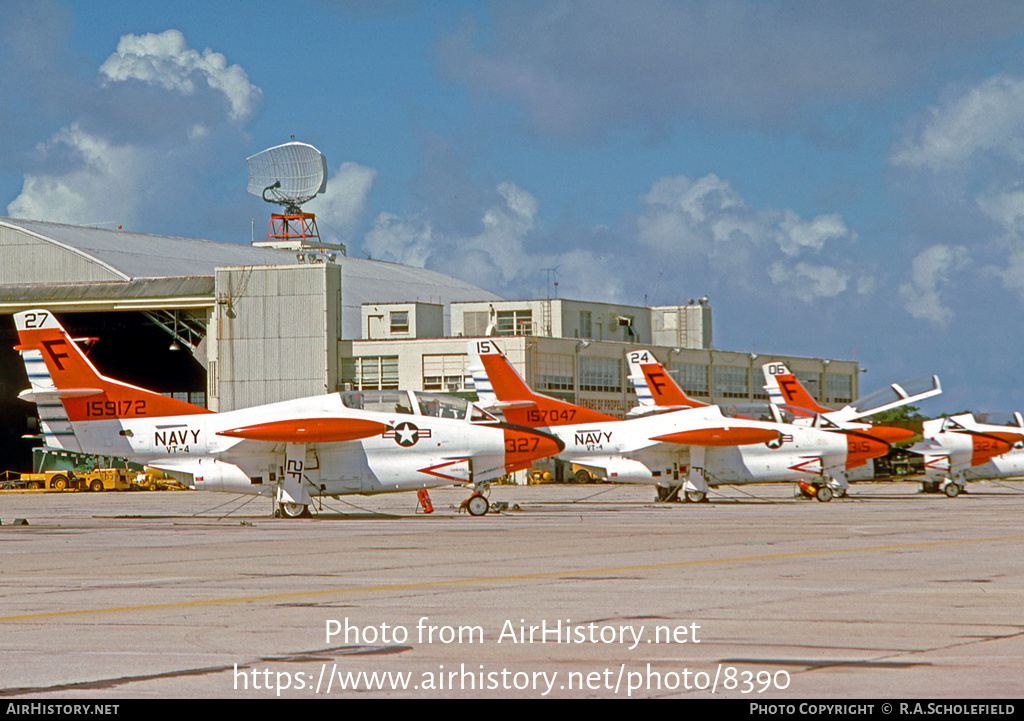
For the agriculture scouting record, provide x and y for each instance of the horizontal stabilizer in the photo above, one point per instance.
(35, 396)
(735, 436)
(309, 430)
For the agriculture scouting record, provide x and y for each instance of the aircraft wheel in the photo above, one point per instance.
(477, 505)
(952, 490)
(695, 496)
(294, 510)
(823, 494)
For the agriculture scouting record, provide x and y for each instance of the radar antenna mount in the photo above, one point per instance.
(290, 175)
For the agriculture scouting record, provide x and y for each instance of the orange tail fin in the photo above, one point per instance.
(499, 386)
(71, 377)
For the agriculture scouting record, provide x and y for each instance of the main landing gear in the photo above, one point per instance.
(823, 493)
(293, 510)
(477, 503)
(950, 487)
(671, 495)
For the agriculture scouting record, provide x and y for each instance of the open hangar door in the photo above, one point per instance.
(129, 347)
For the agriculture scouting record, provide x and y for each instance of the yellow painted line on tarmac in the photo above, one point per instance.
(518, 577)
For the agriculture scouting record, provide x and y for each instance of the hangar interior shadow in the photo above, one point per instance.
(129, 348)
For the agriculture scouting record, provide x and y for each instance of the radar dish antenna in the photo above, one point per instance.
(289, 175)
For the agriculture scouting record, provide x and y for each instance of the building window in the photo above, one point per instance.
(692, 378)
(603, 375)
(838, 389)
(399, 321)
(446, 372)
(554, 372)
(514, 322)
(374, 373)
(585, 324)
(732, 382)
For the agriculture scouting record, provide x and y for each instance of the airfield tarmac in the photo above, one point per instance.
(755, 595)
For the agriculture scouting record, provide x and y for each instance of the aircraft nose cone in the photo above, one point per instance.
(862, 447)
(989, 445)
(523, 446)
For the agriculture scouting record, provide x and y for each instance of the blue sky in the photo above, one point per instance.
(842, 180)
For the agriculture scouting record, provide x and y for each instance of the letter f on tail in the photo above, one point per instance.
(59, 371)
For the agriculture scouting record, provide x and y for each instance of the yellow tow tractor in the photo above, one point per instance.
(105, 479)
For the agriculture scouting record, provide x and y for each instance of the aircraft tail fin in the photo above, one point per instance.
(784, 388)
(500, 387)
(654, 386)
(67, 388)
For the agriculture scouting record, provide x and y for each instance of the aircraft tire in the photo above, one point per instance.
(294, 510)
(952, 490)
(696, 496)
(477, 505)
(823, 494)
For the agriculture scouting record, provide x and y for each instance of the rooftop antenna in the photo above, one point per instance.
(290, 175)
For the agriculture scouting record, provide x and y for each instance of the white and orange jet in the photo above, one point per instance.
(822, 462)
(332, 445)
(966, 447)
(688, 449)
(953, 451)
(785, 389)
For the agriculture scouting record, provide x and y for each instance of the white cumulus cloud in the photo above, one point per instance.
(808, 282)
(102, 186)
(983, 119)
(929, 273)
(342, 204)
(165, 59)
(136, 163)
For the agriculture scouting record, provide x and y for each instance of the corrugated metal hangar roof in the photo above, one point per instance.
(81, 268)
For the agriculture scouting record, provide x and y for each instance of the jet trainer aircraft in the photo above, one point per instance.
(689, 449)
(785, 389)
(824, 468)
(338, 444)
(967, 447)
(954, 449)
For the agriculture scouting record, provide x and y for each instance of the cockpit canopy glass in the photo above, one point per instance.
(757, 412)
(415, 403)
(1001, 418)
(894, 393)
